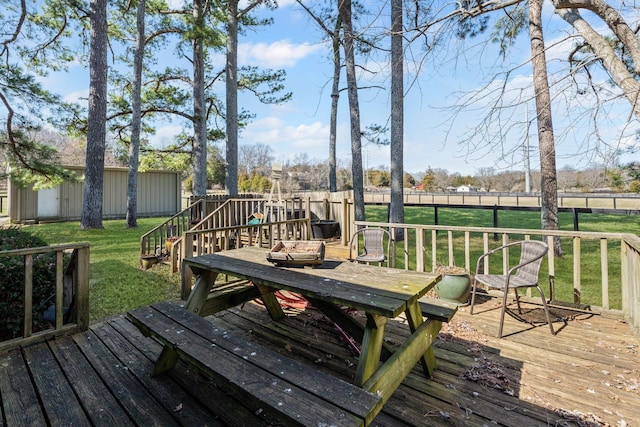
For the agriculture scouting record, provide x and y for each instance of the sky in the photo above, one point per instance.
(433, 137)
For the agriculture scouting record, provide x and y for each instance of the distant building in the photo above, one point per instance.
(466, 189)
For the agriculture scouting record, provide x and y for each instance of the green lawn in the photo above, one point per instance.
(116, 282)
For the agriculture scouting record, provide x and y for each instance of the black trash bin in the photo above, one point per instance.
(325, 229)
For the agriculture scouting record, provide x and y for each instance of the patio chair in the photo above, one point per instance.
(373, 247)
(523, 275)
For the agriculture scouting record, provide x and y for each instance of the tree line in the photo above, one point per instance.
(130, 88)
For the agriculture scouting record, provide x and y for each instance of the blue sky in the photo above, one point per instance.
(301, 126)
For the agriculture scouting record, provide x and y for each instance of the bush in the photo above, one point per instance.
(12, 282)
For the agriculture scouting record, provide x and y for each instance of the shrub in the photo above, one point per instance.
(12, 282)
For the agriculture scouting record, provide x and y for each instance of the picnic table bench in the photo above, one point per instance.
(382, 294)
(294, 393)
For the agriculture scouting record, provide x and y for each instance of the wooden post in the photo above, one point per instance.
(28, 295)
(419, 249)
(495, 222)
(82, 287)
(186, 273)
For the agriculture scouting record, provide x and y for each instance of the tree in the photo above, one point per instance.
(256, 158)
(323, 20)
(136, 118)
(429, 180)
(396, 207)
(626, 79)
(549, 183)
(32, 42)
(234, 15)
(354, 110)
(94, 174)
(485, 177)
(380, 177)
(621, 64)
(615, 179)
(199, 100)
(567, 178)
(408, 180)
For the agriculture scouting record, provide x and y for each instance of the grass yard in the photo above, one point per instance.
(116, 283)
(591, 292)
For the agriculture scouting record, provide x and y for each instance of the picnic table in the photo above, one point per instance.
(381, 293)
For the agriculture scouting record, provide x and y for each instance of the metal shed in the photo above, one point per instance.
(159, 194)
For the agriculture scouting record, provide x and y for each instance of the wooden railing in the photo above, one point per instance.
(156, 238)
(630, 256)
(621, 201)
(613, 283)
(206, 241)
(216, 213)
(71, 297)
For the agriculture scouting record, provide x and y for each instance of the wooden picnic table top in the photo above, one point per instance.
(377, 290)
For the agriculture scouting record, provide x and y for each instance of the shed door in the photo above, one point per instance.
(49, 202)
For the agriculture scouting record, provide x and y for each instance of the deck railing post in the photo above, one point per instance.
(82, 287)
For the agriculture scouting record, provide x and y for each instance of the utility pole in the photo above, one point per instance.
(527, 166)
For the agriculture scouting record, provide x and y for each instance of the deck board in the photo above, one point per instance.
(19, 397)
(588, 374)
(61, 406)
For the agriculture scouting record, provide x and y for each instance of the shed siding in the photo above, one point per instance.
(159, 194)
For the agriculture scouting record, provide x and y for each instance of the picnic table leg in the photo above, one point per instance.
(270, 301)
(414, 317)
(200, 291)
(347, 323)
(198, 296)
(371, 348)
(166, 361)
(393, 371)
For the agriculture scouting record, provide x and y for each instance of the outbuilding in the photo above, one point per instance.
(159, 194)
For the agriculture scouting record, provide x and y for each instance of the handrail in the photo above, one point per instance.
(174, 226)
(71, 291)
(430, 241)
(231, 213)
(487, 232)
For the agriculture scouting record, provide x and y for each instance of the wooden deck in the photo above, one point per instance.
(586, 375)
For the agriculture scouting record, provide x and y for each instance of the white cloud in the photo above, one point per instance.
(289, 140)
(79, 97)
(281, 53)
(165, 135)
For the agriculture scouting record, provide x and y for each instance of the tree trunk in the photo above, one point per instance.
(231, 181)
(134, 145)
(548, 184)
(396, 211)
(199, 105)
(614, 21)
(344, 8)
(97, 115)
(610, 61)
(335, 96)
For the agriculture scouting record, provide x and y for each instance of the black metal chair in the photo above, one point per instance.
(373, 247)
(523, 275)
